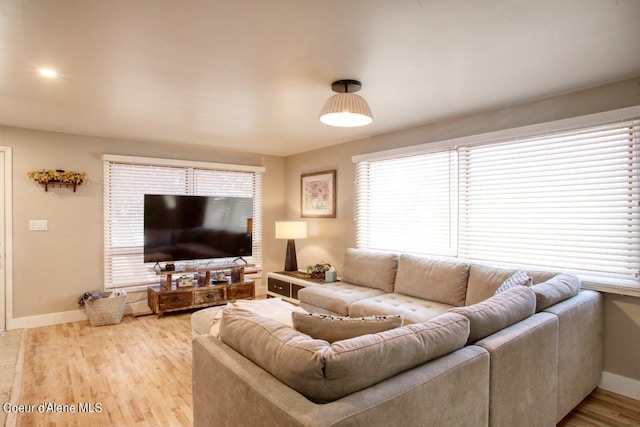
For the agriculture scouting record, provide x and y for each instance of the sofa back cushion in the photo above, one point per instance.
(372, 269)
(484, 281)
(432, 279)
(556, 289)
(325, 372)
(498, 312)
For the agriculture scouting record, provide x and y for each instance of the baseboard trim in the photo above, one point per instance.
(46, 319)
(620, 385)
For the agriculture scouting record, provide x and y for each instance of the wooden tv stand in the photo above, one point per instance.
(162, 300)
(168, 297)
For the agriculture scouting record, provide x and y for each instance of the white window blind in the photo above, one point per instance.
(408, 204)
(562, 201)
(565, 201)
(124, 187)
(208, 182)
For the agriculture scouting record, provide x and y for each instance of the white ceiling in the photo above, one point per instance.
(252, 75)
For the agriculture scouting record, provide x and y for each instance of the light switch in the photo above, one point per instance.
(38, 225)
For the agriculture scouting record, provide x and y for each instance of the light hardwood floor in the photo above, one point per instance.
(10, 342)
(140, 374)
(603, 408)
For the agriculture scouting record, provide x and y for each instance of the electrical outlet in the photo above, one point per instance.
(38, 225)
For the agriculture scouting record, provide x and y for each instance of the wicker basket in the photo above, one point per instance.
(106, 311)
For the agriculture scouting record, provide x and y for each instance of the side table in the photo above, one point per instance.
(286, 284)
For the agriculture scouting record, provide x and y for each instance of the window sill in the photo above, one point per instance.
(627, 290)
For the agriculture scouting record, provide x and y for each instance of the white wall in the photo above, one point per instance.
(53, 268)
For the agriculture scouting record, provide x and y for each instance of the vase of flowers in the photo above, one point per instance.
(317, 271)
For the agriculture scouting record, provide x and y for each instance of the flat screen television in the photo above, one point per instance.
(180, 228)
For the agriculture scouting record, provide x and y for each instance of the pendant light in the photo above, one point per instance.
(346, 109)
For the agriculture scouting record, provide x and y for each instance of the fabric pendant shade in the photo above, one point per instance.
(346, 109)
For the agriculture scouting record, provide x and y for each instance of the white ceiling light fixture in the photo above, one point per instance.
(345, 109)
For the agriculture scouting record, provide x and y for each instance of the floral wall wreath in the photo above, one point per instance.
(49, 176)
(58, 175)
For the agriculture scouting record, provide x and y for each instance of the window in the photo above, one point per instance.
(126, 180)
(562, 200)
(408, 204)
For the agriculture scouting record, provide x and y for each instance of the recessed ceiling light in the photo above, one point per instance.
(48, 72)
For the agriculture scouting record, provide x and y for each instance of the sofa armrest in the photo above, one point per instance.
(229, 390)
(580, 348)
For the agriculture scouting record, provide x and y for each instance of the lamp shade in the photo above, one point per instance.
(291, 230)
(346, 110)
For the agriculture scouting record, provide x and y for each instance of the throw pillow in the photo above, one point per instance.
(519, 278)
(336, 328)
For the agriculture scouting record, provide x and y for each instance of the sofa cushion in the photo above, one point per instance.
(414, 310)
(519, 278)
(431, 279)
(325, 372)
(484, 281)
(335, 297)
(498, 312)
(371, 269)
(556, 289)
(335, 328)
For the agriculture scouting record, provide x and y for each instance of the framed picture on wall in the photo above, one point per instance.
(318, 194)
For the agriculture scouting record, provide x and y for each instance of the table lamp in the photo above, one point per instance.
(291, 230)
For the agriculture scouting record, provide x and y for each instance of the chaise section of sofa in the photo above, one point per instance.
(365, 274)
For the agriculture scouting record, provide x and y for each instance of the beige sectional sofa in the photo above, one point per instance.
(465, 357)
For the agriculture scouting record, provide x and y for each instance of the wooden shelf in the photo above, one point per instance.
(60, 184)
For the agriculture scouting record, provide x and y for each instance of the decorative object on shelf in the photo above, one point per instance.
(291, 230)
(317, 271)
(345, 109)
(237, 274)
(185, 281)
(320, 270)
(318, 194)
(331, 275)
(58, 177)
